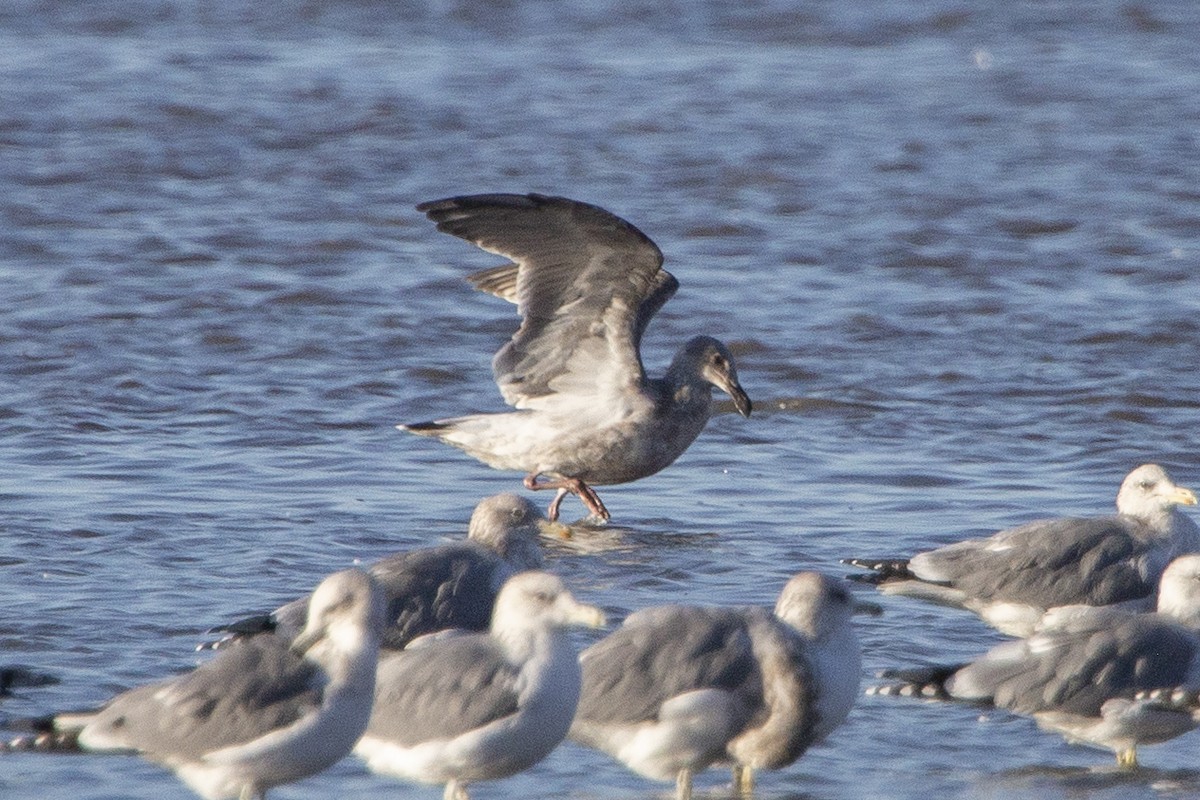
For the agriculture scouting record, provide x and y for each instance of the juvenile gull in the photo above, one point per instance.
(586, 284)
(678, 688)
(430, 589)
(260, 714)
(1011, 578)
(472, 707)
(1082, 673)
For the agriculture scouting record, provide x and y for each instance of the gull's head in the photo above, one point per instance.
(346, 614)
(1179, 590)
(540, 600)
(711, 361)
(1149, 493)
(815, 604)
(510, 524)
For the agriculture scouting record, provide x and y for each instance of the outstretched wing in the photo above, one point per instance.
(586, 284)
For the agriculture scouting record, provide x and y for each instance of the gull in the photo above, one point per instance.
(1013, 577)
(262, 713)
(1089, 674)
(678, 688)
(586, 283)
(456, 709)
(429, 589)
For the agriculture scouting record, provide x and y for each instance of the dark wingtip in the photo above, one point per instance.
(923, 682)
(424, 428)
(49, 741)
(882, 570)
(248, 626)
(1176, 698)
(459, 201)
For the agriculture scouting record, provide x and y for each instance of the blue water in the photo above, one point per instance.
(953, 247)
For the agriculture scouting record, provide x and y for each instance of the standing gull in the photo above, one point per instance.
(456, 709)
(678, 688)
(1011, 578)
(260, 714)
(586, 284)
(430, 589)
(1081, 674)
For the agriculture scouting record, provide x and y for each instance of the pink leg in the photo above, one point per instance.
(574, 486)
(552, 512)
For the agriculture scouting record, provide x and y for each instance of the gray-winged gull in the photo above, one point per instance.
(678, 688)
(451, 585)
(586, 284)
(1081, 674)
(260, 714)
(1011, 578)
(456, 709)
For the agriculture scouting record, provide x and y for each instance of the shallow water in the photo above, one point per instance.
(953, 249)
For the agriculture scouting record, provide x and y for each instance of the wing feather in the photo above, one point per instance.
(442, 690)
(253, 687)
(586, 284)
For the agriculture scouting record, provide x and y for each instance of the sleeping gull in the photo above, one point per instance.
(586, 284)
(260, 714)
(1011, 578)
(1081, 674)
(456, 709)
(430, 589)
(678, 688)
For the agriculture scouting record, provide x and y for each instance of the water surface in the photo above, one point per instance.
(952, 247)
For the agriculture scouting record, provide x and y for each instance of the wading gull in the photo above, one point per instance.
(430, 589)
(678, 688)
(586, 284)
(260, 714)
(1011, 578)
(1081, 674)
(456, 709)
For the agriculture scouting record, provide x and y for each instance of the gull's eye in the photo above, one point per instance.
(1146, 485)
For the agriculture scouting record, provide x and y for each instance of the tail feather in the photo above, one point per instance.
(882, 570)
